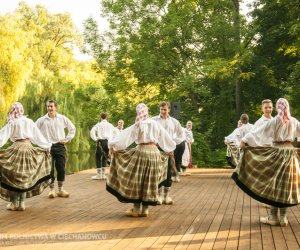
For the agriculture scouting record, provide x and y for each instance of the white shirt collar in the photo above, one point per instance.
(168, 117)
(265, 118)
(57, 116)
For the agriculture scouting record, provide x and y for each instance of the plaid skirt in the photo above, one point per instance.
(136, 174)
(270, 174)
(232, 155)
(23, 169)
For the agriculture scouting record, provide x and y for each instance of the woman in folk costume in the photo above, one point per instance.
(24, 169)
(233, 140)
(271, 174)
(187, 155)
(136, 174)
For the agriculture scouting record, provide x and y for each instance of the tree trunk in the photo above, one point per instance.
(237, 42)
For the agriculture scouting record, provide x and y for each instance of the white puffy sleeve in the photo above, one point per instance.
(179, 132)
(165, 141)
(93, 133)
(71, 129)
(38, 138)
(297, 125)
(115, 132)
(5, 134)
(112, 132)
(258, 136)
(232, 137)
(189, 136)
(123, 139)
(39, 123)
(257, 124)
(192, 138)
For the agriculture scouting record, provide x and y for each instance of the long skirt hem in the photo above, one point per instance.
(136, 174)
(257, 197)
(24, 169)
(126, 200)
(18, 190)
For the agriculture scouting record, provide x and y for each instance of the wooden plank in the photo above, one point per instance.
(234, 232)
(278, 238)
(255, 240)
(221, 239)
(209, 212)
(291, 232)
(194, 201)
(266, 232)
(245, 231)
(212, 233)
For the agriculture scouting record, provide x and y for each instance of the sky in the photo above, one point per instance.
(80, 10)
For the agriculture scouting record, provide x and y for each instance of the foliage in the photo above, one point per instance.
(37, 64)
(203, 54)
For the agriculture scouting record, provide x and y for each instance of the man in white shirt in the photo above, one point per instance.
(101, 133)
(267, 109)
(52, 126)
(174, 129)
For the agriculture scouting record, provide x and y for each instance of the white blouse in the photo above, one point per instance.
(102, 130)
(148, 131)
(273, 129)
(23, 128)
(232, 137)
(188, 135)
(238, 134)
(117, 131)
(173, 127)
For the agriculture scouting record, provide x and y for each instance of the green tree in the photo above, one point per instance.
(186, 49)
(15, 63)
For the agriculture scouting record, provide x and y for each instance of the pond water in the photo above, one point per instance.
(80, 161)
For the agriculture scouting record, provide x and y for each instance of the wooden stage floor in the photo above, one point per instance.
(209, 212)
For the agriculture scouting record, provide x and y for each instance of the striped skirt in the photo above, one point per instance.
(136, 174)
(270, 174)
(232, 155)
(23, 169)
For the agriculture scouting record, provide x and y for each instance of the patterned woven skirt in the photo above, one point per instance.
(233, 155)
(270, 174)
(23, 169)
(136, 174)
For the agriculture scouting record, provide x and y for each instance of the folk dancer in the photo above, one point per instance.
(267, 109)
(24, 169)
(101, 133)
(173, 127)
(271, 174)
(119, 128)
(136, 174)
(187, 155)
(233, 140)
(52, 126)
